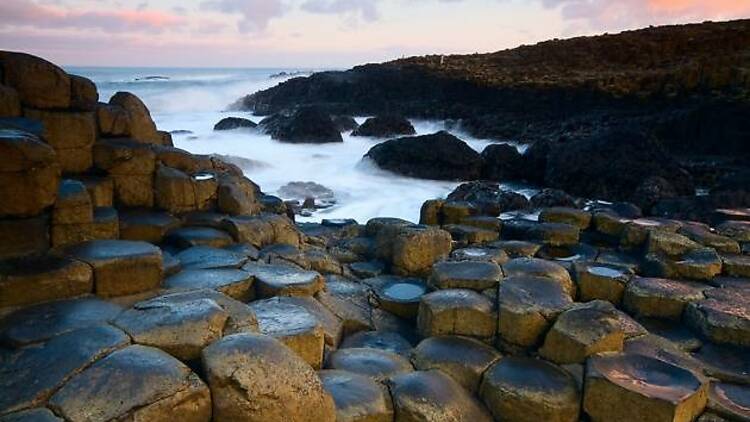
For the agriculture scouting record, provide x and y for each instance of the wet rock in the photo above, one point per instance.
(572, 216)
(400, 296)
(33, 415)
(700, 264)
(568, 255)
(281, 280)
(517, 248)
(663, 349)
(377, 364)
(180, 328)
(525, 389)
(554, 234)
(349, 301)
(724, 362)
(440, 156)
(723, 316)
(357, 397)
(601, 281)
(673, 331)
(638, 388)
(497, 256)
(465, 275)
(413, 250)
(454, 212)
(707, 238)
(138, 383)
(737, 230)
(367, 269)
(463, 359)
(389, 341)
(293, 325)
(385, 126)
(38, 82)
(660, 298)
(187, 237)
(433, 396)
(302, 191)
(527, 307)
(229, 123)
(552, 198)
(240, 318)
(502, 162)
(736, 265)
(32, 280)
(142, 128)
(469, 235)
(729, 400)
(457, 312)
(540, 268)
(263, 230)
(668, 243)
(305, 125)
(345, 123)
(30, 375)
(121, 267)
(207, 257)
(41, 322)
(637, 232)
(488, 198)
(29, 174)
(146, 226)
(582, 331)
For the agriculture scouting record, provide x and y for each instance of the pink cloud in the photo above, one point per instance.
(15, 13)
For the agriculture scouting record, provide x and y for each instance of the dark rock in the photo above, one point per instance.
(553, 198)
(439, 156)
(305, 125)
(385, 126)
(229, 123)
(502, 162)
(488, 198)
(384, 340)
(345, 123)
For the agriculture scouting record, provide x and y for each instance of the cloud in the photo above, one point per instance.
(365, 9)
(14, 13)
(256, 14)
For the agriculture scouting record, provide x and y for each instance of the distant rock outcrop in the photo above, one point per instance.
(305, 125)
(385, 126)
(229, 123)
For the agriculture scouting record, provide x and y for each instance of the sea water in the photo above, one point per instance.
(191, 101)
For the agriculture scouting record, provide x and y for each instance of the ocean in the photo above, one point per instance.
(193, 100)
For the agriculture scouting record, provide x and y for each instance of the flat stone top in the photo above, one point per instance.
(645, 375)
(382, 340)
(103, 250)
(535, 266)
(667, 287)
(732, 397)
(458, 298)
(40, 322)
(277, 316)
(533, 294)
(40, 414)
(353, 391)
(532, 376)
(455, 349)
(205, 257)
(136, 375)
(607, 271)
(467, 270)
(206, 279)
(25, 267)
(281, 275)
(371, 362)
(159, 219)
(402, 291)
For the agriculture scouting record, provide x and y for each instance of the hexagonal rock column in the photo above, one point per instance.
(553, 234)
(457, 312)
(529, 390)
(401, 296)
(527, 307)
(256, 378)
(39, 414)
(540, 268)
(30, 375)
(434, 396)
(33, 280)
(723, 317)
(736, 265)
(572, 216)
(462, 358)
(187, 237)
(46, 320)
(208, 257)
(282, 280)
(131, 166)
(29, 174)
(357, 397)
(465, 275)
(498, 256)
(730, 400)
(349, 301)
(236, 284)
(71, 134)
(706, 237)
(136, 383)
(293, 325)
(581, 331)
(412, 250)
(625, 387)
(375, 363)
(39, 83)
(383, 340)
(146, 226)
(121, 267)
(660, 297)
(601, 281)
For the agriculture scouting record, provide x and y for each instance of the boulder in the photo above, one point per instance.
(174, 191)
(412, 250)
(377, 364)
(236, 195)
(256, 378)
(71, 134)
(229, 123)
(547, 198)
(26, 281)
(385, 126)
(434, 396)
(305, 125)
(357, 397)
(488, 198)
(114, 120)
(83, 94)
(440, 156)
(527, 390)
(135, 383)
(29, 174)
(463, 359)
(10, 102)
(502, 162)
(458, 312)
(121, 267)
(142, 128)
(631, 387)
(345, 123)
(39, 83)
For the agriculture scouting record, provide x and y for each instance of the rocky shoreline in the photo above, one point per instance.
(139, 282)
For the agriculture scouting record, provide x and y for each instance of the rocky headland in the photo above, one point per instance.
(140, 282)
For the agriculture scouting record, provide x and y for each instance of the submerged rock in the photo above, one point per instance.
(385, 126)
(229, 123)
(305, 125)
(439, 156)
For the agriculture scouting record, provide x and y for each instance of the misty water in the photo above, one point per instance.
(195, 99)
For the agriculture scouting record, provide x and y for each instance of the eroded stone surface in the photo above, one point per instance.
(463, 359)
(282, 280)
(384, 340)
(540, 268)
(236, 284)
(659, 297)
(465, 275)
(33, 280)
(601, 281)
(723, 317)
(457, 312)
(377, 364)
(358, 398)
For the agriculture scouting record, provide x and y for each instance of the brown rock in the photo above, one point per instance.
(431, 212)
(131, 167)
(282, 280)
(146, 226)
(142, 128)
(377, 364)
(723, 317)
(465, 275)
(256, 378)
(236, 196)
(29, 174)
(660, 298)
(29, 236)
(39, 83)
(33, 280)
(601, 281)
(101, 190)
(10, 103)
(114, 121)
(83, 94)
(572, 216)
(536, 267)
(415, 249)
(463, 359)
(357, 397)
(174, 190)
(71, 134)
(457, 312)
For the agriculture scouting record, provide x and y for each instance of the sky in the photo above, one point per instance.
(316, 33)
